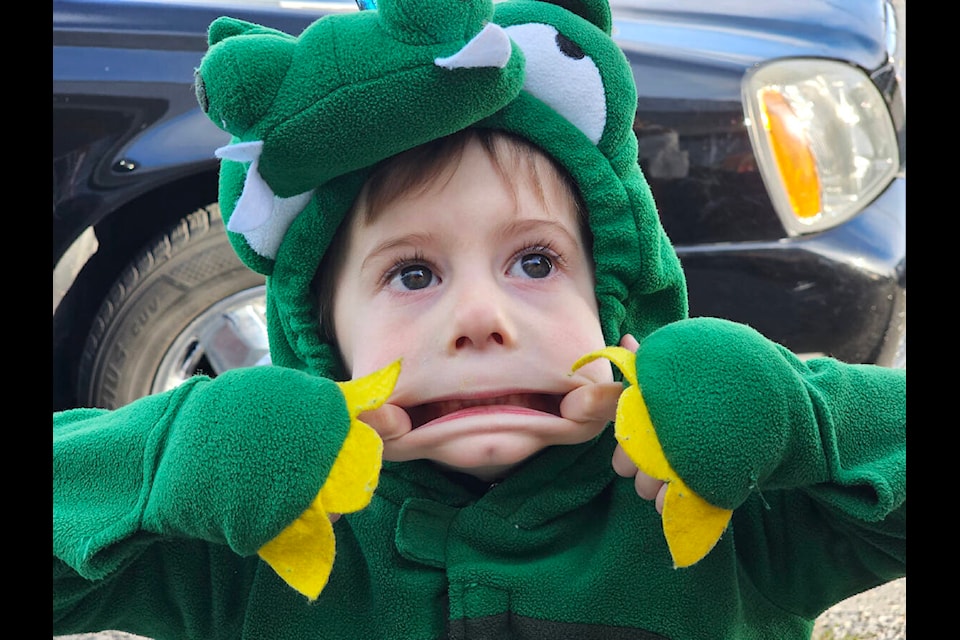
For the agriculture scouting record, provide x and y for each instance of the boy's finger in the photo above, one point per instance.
(592, 402)
(647, 487)
(389, 421)
(660, 497)
(629, 343)
(622, 463)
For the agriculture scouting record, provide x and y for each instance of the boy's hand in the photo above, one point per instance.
(598, 403)
(595, 404)
(691, 524)
(303, 553)
(647, 487)
(389, 421)
(592, 403)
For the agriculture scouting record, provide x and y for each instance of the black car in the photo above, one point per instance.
(772, 135)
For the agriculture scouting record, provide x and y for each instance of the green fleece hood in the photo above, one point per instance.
(311, 114)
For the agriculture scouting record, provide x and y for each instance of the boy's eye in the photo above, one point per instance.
(534, 265)
(413, 277)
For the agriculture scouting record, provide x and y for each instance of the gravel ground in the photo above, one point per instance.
(878, 614)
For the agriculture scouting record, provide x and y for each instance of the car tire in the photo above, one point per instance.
(184, 305)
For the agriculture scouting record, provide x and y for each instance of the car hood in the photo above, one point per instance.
(743, 32)
(735, 33)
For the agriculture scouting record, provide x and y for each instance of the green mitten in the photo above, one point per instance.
(241, 456)
(303, 553)
(691, 525)
(717, 410)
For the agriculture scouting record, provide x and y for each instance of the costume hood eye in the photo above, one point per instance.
(201, 90)
(561, 75)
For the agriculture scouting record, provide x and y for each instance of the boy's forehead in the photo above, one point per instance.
(503, 165)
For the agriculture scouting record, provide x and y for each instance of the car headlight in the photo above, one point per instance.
(823, 137)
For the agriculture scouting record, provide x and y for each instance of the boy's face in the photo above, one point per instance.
(488, 298)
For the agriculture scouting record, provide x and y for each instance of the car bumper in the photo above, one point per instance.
(840, 293)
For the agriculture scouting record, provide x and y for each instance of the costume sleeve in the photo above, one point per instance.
(810, 456)
(229, 462)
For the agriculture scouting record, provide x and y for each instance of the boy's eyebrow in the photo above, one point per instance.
(504, 234)
(411, 240)
(538, 224)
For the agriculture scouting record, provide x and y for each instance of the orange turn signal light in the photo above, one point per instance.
(794, 157)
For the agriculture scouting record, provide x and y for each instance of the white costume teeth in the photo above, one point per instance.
(259, 215)
(489, 48)
(262, 218)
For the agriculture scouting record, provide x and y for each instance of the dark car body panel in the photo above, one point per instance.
(743, 33)
(132, 150)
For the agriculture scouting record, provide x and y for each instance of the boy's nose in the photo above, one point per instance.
(480, 319)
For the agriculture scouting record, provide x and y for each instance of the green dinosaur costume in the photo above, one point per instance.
(202, 512)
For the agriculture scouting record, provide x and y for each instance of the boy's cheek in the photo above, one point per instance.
(371, 352)
(599, 371)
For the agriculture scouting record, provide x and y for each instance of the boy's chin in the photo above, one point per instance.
(491, 459)
(488, 446)
(490, 464)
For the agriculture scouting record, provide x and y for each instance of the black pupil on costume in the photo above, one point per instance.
(201, 90)
(416, 277)
(536, 265)
(569, 47)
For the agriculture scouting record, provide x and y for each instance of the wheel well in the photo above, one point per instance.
(120, 236)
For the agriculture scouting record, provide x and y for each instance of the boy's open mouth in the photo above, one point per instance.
(544, 402)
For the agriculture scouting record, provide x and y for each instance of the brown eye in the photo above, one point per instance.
(536, 265)
(415, 277)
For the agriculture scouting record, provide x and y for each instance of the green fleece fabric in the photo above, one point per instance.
(160, 507)
(563, 548)
(745, 400)
(287, 180)
(181, 461)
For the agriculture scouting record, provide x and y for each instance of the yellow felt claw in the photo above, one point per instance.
(303, 553)
(691, 525)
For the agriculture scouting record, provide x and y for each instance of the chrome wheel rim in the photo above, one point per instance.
(232, 333)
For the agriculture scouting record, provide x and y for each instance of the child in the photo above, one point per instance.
(451, 238)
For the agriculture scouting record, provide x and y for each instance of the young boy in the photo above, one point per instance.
(446, 209)
(478, 277)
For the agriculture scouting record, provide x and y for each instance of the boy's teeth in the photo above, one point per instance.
(450, 406)
(431, 411)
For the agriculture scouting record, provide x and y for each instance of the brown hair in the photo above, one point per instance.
(412, 172)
